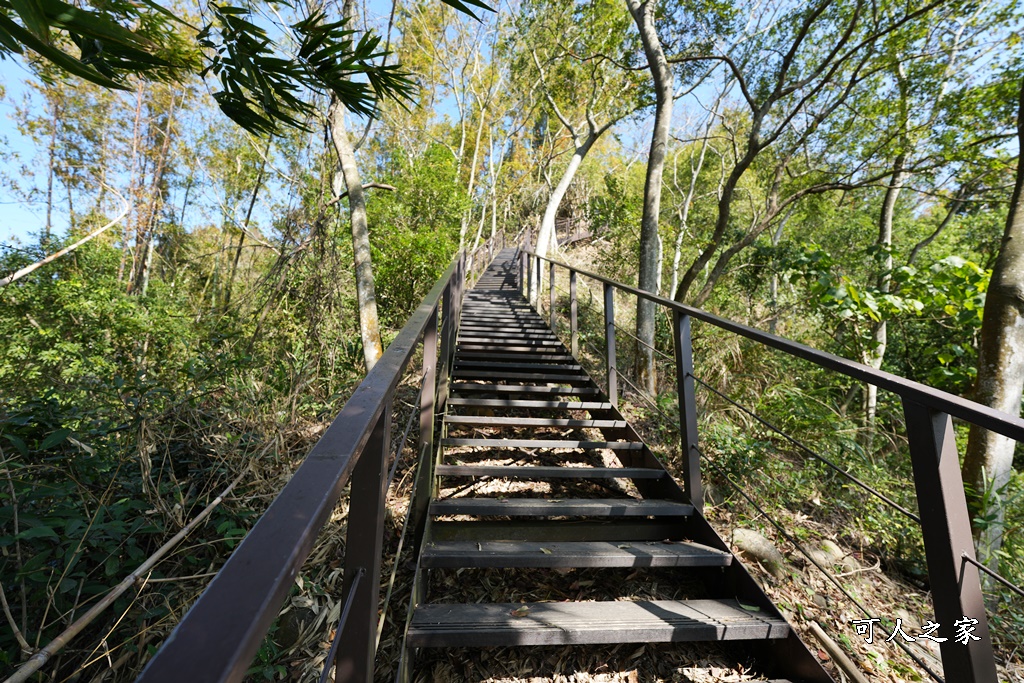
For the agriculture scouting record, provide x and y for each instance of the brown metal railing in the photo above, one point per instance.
(219, 637)
(953, 570)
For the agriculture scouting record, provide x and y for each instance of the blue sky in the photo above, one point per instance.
(21, 222)
(18, 220)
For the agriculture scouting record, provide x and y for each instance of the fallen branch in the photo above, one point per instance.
(38, 660)
(173, 579)
(66, 250)
(367, 186)
(878, 565)
(837, 654)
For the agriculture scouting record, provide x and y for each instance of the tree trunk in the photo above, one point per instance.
(51, 171)
(650, 241)
(366, 296)
(145, 231)
(725, 198)
(875, 354)
(546, 239)
(988, 463)
(468, 213)
(245, 224)
(773, 285)
(684, 212)
(136, 179)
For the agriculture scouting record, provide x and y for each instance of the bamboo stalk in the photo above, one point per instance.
(837, 654)
(38, 660)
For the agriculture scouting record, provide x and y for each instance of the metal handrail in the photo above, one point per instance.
(814, 561)
(219, 637)
(983, 416)
(944, 518)
(811, 452)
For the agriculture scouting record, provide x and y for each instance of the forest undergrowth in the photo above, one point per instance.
(769, 481)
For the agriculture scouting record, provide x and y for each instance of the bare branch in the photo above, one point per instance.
(67, 250)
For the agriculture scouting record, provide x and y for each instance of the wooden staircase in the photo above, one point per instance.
(521, 408)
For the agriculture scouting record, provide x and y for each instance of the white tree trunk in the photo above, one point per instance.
(874, 355)
(650, 240)
(366, 295)
(546, 239)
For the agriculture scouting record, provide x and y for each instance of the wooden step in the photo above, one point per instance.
(523, 389)
(590, 623)
(479, 373)
(543, 443)
(508, 323)
(530, 322)
(505, 326)
(525, 351)
(541, 472)
(572, 554)
(482, 338)
(506, 332)
(507, 329)
(527, 404)
(560, 507)
(617, 529)
(500, 337)
(482, 420)
(540, 361)
(495, 364)
(498, 317)
(498, 302)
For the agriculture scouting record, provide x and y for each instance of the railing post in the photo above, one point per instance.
(450, 331)
(454, 302)
(609, 338)
(946, 529)
(445, 344)
(425, 468)
(363, 545)
(687, 409)
(530, 287)
(522, 273)
(460, 293)
(551, 294)
(574, 331)
(533, 266)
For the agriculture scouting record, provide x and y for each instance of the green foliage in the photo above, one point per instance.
(616, 215)
(264, 85)
(73, 323)
(414, 231)
(261, 90)
(107, 50)
(939, 309)
(120, 416)
(804, 402)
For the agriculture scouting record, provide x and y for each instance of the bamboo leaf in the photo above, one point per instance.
(55, 438)
(58, 57)
(32, 14)
(462, 6)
